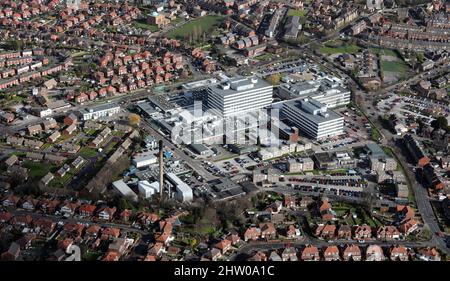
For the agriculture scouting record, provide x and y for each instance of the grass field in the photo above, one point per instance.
(385, 52)
(205, 24)
(87, 152)
(394, 66)
(345, 48)
(143, 25)
(37, 170)
(298, 13)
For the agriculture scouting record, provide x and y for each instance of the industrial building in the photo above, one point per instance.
(124, 190)
(144, 159)
(147, 189)
(182, 191)
(96, 112)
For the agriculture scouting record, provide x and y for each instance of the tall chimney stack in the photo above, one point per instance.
(161, 169)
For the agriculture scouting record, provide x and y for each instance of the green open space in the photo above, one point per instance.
(264, 57)
(37, 170)
(384, 52)
(146, 26)
(394, 66)
(339, 47)
(87, 152)
(298, 13)
(203, 24)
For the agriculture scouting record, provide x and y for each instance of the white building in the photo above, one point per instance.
(240, 95)
(103, 110)
(144, 159)
(146, 189)
(314, 118)
(328, 91)
(123, 189)
(182, 192)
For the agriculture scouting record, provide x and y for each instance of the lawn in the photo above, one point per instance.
(345, 48)
(143, 25)
(298, 13)
(204, 24)
(394, 66)
(36, 169)
(385, 52)
(264, 57)
(79, 54)
(87, 152)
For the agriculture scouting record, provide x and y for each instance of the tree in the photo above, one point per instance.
(440, 123)
(274, 79)
(134, 119)
(15, 45)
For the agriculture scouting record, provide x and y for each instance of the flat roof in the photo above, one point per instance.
(309, 107)
(375, 150)
(238, 84)
(100, 107)
(180, 185)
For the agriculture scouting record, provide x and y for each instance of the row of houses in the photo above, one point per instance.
(350, 252)
(29, 76)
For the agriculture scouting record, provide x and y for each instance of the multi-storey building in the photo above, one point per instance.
(314, 118)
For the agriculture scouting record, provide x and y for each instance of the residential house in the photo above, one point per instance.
(13, 159)
(258, 256)
(274, 256)
(344, 232)
(408, 227)
(404, 213)
(289, 254)
(224, 246)
(10, 201)
(29, 203)
(388, 232)
(252, 233)
(12, 254)
(165, 238)
(374, 253)
(44, 225)
(69, 129)
(34, 129)
(331, 253)
(48, 206)
(351, 252)
(292, 232)
(362, 232)
(86, 210)
(107, 213)
(5, 217)
(74, 230)
(70, 119)
(68, 208)
(213, 255)
(109, 233)
(310, 253)
(398, 253)
(234, 239)
(428, 254)
(22, 221)
(268, 231)
(326, 231)
(146, 219)
(290, 201)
